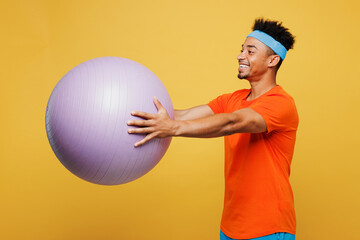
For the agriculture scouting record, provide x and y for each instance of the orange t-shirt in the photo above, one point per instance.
(258, 197)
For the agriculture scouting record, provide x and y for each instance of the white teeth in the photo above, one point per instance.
(243, 66)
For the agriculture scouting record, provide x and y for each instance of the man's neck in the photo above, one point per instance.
(258, 88)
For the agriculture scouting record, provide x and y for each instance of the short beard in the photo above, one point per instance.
(242, 76)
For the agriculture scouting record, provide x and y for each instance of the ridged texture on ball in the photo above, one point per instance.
(86, 120)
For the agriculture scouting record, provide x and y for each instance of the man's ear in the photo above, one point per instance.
(273, 60)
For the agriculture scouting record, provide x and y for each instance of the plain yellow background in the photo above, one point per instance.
(192, 47)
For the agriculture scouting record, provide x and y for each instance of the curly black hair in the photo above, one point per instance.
(276, 30)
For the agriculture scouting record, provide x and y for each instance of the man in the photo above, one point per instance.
(259, 125)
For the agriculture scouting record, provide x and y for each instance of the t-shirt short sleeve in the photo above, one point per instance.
(279, 112)
(218, 104)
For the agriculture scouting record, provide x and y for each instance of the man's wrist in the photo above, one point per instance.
(177, 128)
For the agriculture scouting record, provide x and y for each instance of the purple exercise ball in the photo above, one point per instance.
(86, 120)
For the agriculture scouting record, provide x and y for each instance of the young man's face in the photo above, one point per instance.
(253, 59)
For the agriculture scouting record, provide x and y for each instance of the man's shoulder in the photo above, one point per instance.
(279, 91)
(278, 109)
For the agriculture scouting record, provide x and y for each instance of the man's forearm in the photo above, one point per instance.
(179, 114)
(193, 113)
(213, 126)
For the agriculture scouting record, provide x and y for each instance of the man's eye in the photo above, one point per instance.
(251, 52)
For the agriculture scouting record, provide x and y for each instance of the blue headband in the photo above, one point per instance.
(269, 41)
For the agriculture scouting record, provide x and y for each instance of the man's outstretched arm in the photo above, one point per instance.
(193, 113)
(216, 125)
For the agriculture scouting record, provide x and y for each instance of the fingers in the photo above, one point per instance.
(146, 126)
(145, 139)
(144, 115)
(141, 130)
(140, 123)
(158, 104)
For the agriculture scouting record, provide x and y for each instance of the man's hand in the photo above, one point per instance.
(155, 125)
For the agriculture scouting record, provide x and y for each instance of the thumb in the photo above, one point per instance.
(158, 105)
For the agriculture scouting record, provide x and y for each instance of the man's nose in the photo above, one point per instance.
(240, 56)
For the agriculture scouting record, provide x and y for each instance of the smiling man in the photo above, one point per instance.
(259, 125)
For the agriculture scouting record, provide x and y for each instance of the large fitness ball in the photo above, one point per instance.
(86, 120)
